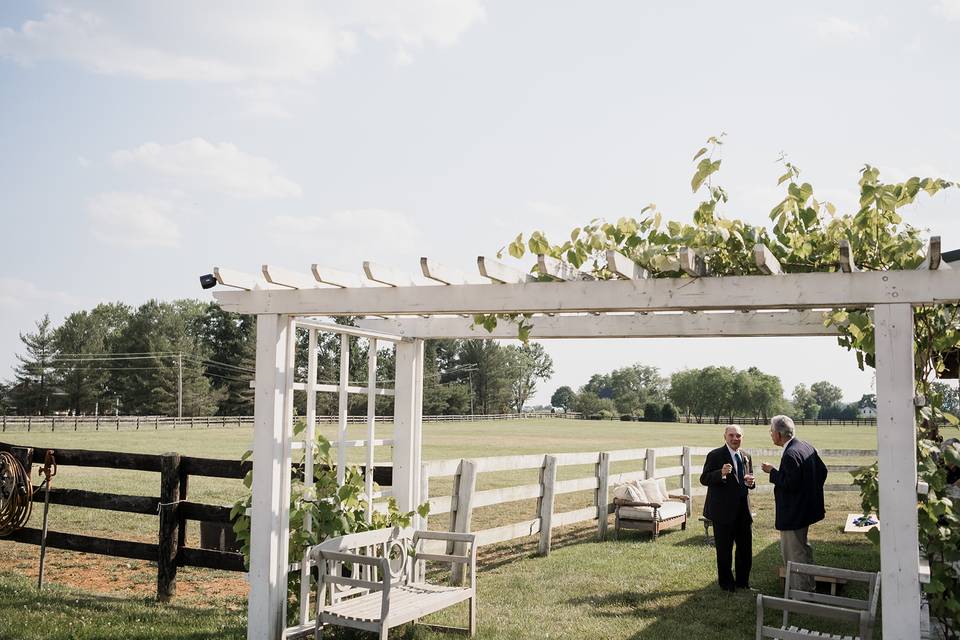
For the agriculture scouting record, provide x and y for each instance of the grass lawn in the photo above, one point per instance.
(631, 588)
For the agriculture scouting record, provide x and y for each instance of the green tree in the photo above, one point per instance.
(686, 395)
(34, 376)
(944, 396)
(805, 403)
(717, 384)
(531, 364)
(230, 340)
(828, 396)
(493, 375)
(563, 398)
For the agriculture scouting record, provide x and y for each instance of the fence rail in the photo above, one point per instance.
(663, 462)
(171, 506)
(155, 423)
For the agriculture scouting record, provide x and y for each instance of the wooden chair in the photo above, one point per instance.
(861, 613)
(652, 516)
(372, 581)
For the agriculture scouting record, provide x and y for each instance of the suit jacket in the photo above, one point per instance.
(725, 498)
(798, 486)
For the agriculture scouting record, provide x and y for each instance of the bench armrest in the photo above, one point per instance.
(630, 503)
(680, 497)
(444, 535)
(455, 543)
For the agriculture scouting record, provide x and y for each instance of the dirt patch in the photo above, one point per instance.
(117, 576)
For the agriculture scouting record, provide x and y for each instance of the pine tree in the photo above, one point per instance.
(34, 376)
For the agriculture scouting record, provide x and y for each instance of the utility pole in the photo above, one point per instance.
(179, 385)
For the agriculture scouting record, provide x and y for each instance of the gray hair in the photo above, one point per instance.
(783, 425)
(732, 427)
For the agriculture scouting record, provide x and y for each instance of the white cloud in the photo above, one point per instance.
(840, 29)
(380, 233)
(949, 9)
(230, 42)
(133, 220)
(16, 293)
(217, 167)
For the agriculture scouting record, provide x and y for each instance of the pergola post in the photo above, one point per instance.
(269, 529)
(897, 447)
(407, 423)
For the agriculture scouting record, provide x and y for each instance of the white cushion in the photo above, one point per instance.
(662, 488)
(668, 510)
(651, 488)
(629, 492)
(639, 491)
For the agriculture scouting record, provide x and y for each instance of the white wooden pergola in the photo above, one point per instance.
(573, 304)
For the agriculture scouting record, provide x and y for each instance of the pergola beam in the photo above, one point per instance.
(701, 325)
(796, 291)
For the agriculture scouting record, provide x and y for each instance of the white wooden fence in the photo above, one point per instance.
(665, 462)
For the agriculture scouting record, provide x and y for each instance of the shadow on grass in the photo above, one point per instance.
(681, 613)
(509, 552)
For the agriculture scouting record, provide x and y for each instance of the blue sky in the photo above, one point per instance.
(144, 143)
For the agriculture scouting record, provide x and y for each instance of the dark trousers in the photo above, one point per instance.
(726, 535)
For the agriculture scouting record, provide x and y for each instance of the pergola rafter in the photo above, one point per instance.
(571, 305)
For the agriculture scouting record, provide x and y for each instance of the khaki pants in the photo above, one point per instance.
(795, 548)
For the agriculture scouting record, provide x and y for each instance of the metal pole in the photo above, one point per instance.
(180, 385)
(48, 462)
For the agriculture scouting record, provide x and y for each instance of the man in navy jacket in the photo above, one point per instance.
(798, 493)
(728, 476)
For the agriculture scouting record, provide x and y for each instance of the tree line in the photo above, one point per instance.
(191, 358)
(710, 393)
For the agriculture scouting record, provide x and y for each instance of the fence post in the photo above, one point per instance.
(98, 424)
(29, 420)
(53, 424)
(4, 423)
(650, 468)
(688, 479)
(169, 526)
(548, 480)
(464, 489)
(24, 456)
(603, 495)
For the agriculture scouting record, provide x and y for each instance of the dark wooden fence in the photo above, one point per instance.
(171, 506)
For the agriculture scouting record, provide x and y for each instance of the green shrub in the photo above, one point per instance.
(651, 412)
(668, 413)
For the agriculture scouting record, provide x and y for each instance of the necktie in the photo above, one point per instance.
(736, 457)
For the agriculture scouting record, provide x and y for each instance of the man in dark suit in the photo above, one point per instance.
(728, 476)
(798, 493)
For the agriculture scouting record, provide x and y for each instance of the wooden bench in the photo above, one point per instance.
(650, 516)
(375, 580)
(860, 613)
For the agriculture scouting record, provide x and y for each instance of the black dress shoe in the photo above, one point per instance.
(727, 587)
(745, 587)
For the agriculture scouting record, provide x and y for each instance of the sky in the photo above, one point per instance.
(145, 143)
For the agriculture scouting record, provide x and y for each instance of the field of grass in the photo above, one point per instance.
(631, 588)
